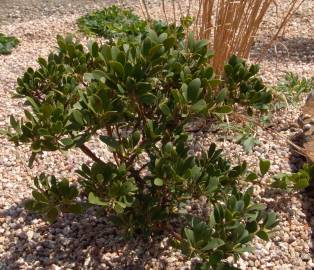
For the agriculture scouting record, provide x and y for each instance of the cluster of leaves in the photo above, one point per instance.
(112, 22)
(243, 86)
(51, 196)
(291, 90)
(123, 25)
(7, 43)
(228, 232)
(294, 181)
(140, 96)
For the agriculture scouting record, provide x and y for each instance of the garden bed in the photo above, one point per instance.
(87, 242)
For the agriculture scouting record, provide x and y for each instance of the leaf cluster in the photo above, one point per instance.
(243, 86)
(291, 89)
(122, 24)
(294, 181)
(7, 43)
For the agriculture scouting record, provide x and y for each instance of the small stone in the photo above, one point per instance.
(307, 127)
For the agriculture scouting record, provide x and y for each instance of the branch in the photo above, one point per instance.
(89, 153)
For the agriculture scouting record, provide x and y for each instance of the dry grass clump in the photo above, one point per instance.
(230, 25)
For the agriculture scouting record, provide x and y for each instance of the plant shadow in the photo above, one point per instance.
(284, 202)
(296, 49)
(85, 241)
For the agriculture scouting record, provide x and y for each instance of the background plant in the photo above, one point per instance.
(112, 22)
(242, 133)
(138, 98)
(7, 43)
(123, 24)
(291, 90)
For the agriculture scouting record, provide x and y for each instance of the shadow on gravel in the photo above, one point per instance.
(283, 202)
(297, 161)
(74, 242)
(296, 49)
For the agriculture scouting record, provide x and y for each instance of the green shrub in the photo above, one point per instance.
(141, 95)
(7, 43)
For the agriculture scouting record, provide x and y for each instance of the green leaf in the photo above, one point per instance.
(52, 214)
(222, 95)
(39, 197)
(213, 244)
(223, 109)
(78, 117)
(189, 234)
(251, 177)
(158, 182)
(194, 90)
(136, 136)
(148, 99)
(93, 199)
(271, 220)
(75, 208)
(119, 207)
(118, 68)
(96, 103)
(251, 227)
(228, 70)
(212, 184)
(14, 123)
(99, 75)
(264, 166)
(67, 141)
(164, 108)
(248, 143)
(263, 235)
(199, 106)
(110, 141)
(36, 146)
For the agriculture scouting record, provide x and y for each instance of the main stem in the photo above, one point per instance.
(89, 153)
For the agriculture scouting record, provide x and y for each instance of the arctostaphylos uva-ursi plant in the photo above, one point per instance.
(137, 98)
(7, 43)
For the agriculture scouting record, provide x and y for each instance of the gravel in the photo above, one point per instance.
(89, 241)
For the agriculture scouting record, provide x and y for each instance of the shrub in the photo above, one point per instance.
(7, 43)
(141, 96)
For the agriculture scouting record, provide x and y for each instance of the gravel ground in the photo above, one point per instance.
(87, 242)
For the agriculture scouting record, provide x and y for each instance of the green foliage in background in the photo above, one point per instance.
(291, 90)
(123, 25)
(112, 22)
(7, 43)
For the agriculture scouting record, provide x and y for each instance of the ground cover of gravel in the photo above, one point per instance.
(87, 242)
